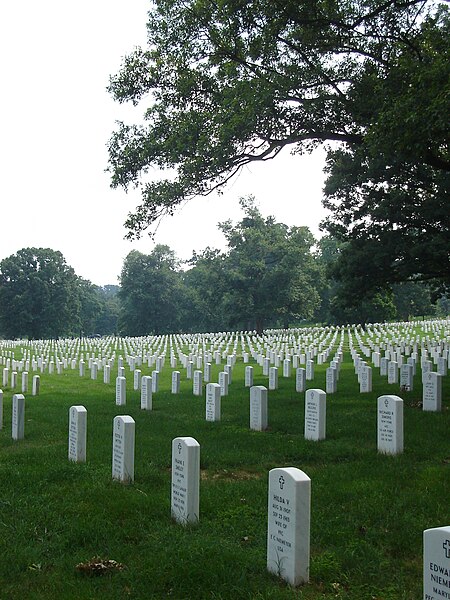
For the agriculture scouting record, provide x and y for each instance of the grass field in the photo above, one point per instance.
(368, 511)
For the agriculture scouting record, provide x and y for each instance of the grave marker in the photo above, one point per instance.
(213, 402)
(77, 433)
(258, 408)
(185, 480)
(300, 380)
(121, 391)
(176, 376)
(36, 385)
(137, 379)
(248, 376)
(315, 414)
(123, 449)
(24, 382)
(18, 416)
(146, 393)
(436, 563)
(273, 378)
(432, 391)
(288, 532)
(390, 425)
(197, 384)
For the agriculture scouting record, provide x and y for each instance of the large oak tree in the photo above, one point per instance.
(225, 83)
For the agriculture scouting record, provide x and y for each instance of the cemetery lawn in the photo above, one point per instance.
(368, 511)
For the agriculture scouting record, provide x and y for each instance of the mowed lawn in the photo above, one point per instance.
(368, 511)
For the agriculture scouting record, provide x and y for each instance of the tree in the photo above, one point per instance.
(388, 197)
(269, 271)
(38, 294)
(90, 306)
(150, 292)
(108, 316)
(206, 290)
(233, 82)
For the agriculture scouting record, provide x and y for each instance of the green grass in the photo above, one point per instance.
(368, 511)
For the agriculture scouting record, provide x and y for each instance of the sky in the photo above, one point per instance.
(56, 119)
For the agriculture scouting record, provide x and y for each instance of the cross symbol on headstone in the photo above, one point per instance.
(281, 480)
(386, 402)
(446, 546)
(179, 447)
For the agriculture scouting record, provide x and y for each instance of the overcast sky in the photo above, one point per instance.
(56, 119)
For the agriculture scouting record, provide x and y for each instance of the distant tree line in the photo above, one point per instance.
(270, 275)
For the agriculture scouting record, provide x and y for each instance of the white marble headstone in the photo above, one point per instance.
(258, 408)
(390, 424)
(213, 402)
(436, 563)
(18, 416)
(123, 449)
(185, 491)
(146, 393)
(288, 532)
(315, 414)
(77, 433)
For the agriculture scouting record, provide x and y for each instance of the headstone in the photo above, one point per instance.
(442, 367)
(258, 408)
(5, 377)
(107, 374)
(146, 393)
(176, 376)
(315, 414)
(94, 370)
(365, 381)
(121, 391)
(18, 416)
(213, 402)
(81, 368)
(288, 532)
(123, 449)
(24, 382)
(300, 380)
(436, 563)
(185, 480)
(36, 385)
(155, 381)
(77, 433)
(390, 425)
(248, 376)
(287, 367)
(432, 391)
(309, 370)
(392, 372)
(189, 369)
(273, 378)
(207, 372)
(406, 377)
(137, 379)
(229, 369)
(223, 382)
(197, 384)
(331, 380)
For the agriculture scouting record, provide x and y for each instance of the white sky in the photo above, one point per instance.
(56, 118)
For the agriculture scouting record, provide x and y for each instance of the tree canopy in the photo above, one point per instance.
(38, 294)
(150, 292)
(231, 82)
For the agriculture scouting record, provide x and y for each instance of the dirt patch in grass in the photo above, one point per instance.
(227, 475)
